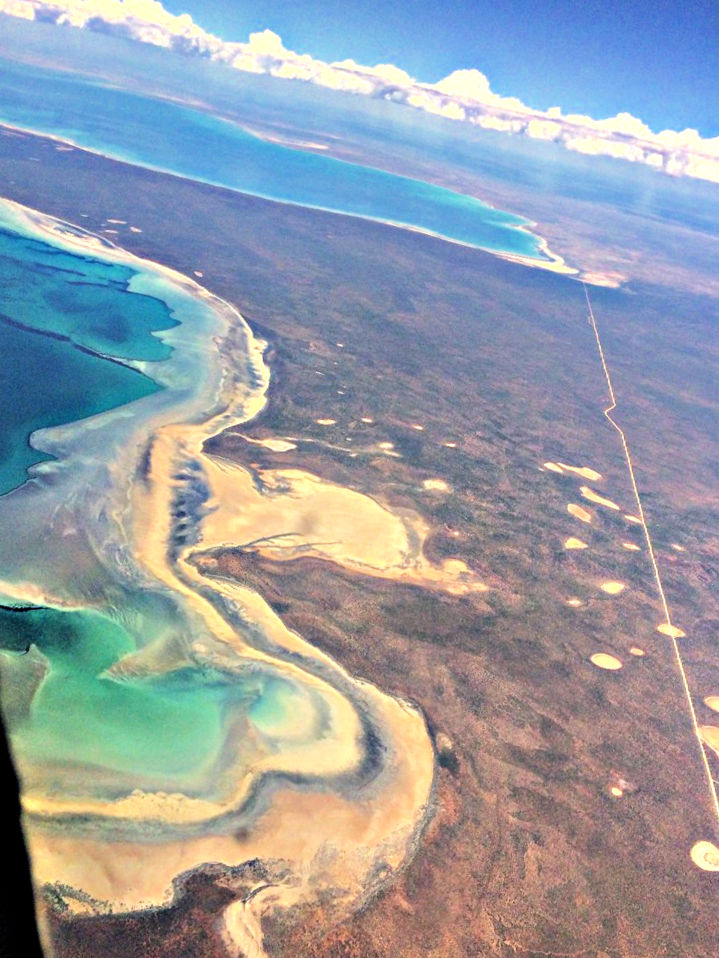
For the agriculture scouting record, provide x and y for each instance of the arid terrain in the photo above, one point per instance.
(441, 381)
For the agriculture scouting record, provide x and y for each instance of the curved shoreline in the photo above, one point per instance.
(553, 263)
(365, 822)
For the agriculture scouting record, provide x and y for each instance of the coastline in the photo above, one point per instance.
(236, 388)
(554, 262)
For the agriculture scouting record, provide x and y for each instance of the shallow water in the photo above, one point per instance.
(98, 734)
(60, 315)
(168, 136)
(77, 600)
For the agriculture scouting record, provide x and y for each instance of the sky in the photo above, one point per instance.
(657, 59)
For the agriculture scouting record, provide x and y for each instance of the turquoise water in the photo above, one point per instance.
(79, 297)
(164, 731)
(73, 326)
(167, 136)
(92, 733)
(60, 314)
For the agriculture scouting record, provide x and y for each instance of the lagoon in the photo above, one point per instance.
(172, 137)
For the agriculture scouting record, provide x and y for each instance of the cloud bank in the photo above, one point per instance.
(464, 96)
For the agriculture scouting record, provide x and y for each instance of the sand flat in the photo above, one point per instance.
(436, 485)
(375, 822)
(573, 543)
(584, 471)
(710, 736)
(290, 514)
(593, 496)
(612, 587)
(712, 702)
(705, 855)
(272, 443)
(673, 631)
(579, 513)
(603, 660)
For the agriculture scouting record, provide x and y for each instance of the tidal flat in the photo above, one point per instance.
(160, 718)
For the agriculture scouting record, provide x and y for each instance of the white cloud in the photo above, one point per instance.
(19, 8)
(544, 129)
(464, 96)
(386, 72)
(466, 84)
(268, 44)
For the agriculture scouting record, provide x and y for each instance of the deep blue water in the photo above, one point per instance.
(165, 135)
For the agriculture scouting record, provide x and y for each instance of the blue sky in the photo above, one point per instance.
(658, 59)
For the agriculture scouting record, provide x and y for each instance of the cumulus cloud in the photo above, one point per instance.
(386, 72)
(464, 96)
